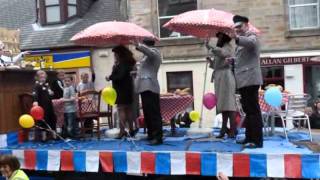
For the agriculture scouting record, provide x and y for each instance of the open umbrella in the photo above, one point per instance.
(111, 32)
(204, 23)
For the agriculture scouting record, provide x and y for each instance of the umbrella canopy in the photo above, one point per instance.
(204, 23)
(111, 32)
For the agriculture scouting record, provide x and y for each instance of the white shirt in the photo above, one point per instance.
(8, 60)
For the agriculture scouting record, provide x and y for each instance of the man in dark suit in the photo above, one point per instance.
(248, 79)
(57, 85)
(147, 85)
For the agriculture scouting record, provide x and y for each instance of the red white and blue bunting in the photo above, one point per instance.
(166, 163)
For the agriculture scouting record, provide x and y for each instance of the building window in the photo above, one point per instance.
(53, 13)
(56, 11)
(179, 80)
(72, 8)
(273, 75)
(167, 9)
(304, 14)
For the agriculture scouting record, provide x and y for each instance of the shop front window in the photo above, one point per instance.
(179, 80)
(312, 81)
(273, 75)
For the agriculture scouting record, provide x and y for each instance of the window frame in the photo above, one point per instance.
(167, 17)
(268, 80)
(75, 5)
(53, 5)
(189, 73)
(290, 6)
(63, 4)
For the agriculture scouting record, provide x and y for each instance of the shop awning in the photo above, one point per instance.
(291, 54)
(289, 57)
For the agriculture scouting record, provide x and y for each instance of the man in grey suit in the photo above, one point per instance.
(248, 79)
(147, 85)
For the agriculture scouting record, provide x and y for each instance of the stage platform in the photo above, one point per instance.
(179, 155)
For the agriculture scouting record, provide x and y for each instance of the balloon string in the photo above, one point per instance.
(56, 134)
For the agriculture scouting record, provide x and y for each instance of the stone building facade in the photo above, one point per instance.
(290, 38)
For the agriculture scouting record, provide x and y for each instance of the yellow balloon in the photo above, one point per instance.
(109, 95)
(26, 121)
(194, 116)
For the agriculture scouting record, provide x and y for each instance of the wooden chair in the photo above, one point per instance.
(26, 100)
(108, 114)
(89, 110)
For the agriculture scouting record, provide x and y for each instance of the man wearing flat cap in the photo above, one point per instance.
(248, 79)
(147, 85)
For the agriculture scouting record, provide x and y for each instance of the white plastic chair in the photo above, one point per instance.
(295, 112)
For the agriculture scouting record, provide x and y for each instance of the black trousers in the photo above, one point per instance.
(152, 115)
(253, 121)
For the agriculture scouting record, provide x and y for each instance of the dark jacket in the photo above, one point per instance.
(122, 82)
(57, 88)
(315, 120)
(42, 96)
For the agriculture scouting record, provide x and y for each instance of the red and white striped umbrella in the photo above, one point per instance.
(204, 23)
(111, 32)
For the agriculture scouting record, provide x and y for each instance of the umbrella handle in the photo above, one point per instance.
(204, 84)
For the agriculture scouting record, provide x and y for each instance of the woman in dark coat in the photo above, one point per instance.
(42, 96)
(122, 82)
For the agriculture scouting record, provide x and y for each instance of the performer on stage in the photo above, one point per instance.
(57, 85)
(148, 86)
(224, 83)
(5, 58)
(42, 96)
(248, 79)
(70, 125)
(122, 82)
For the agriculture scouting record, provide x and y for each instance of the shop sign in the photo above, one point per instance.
(266, 61)
(77, 59)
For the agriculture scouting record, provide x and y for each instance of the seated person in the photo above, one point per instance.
(315, 115)
(6, 57)
(183, 120)
(85, 84)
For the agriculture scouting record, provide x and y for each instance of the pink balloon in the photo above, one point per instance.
(209, 100)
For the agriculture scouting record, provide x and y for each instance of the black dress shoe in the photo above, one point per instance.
(121, 135)
(220, 136)
(155, 142)
(222, 133)
(134, 132)
(149, 138)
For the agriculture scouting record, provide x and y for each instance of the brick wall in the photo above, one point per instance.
(268, 15)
